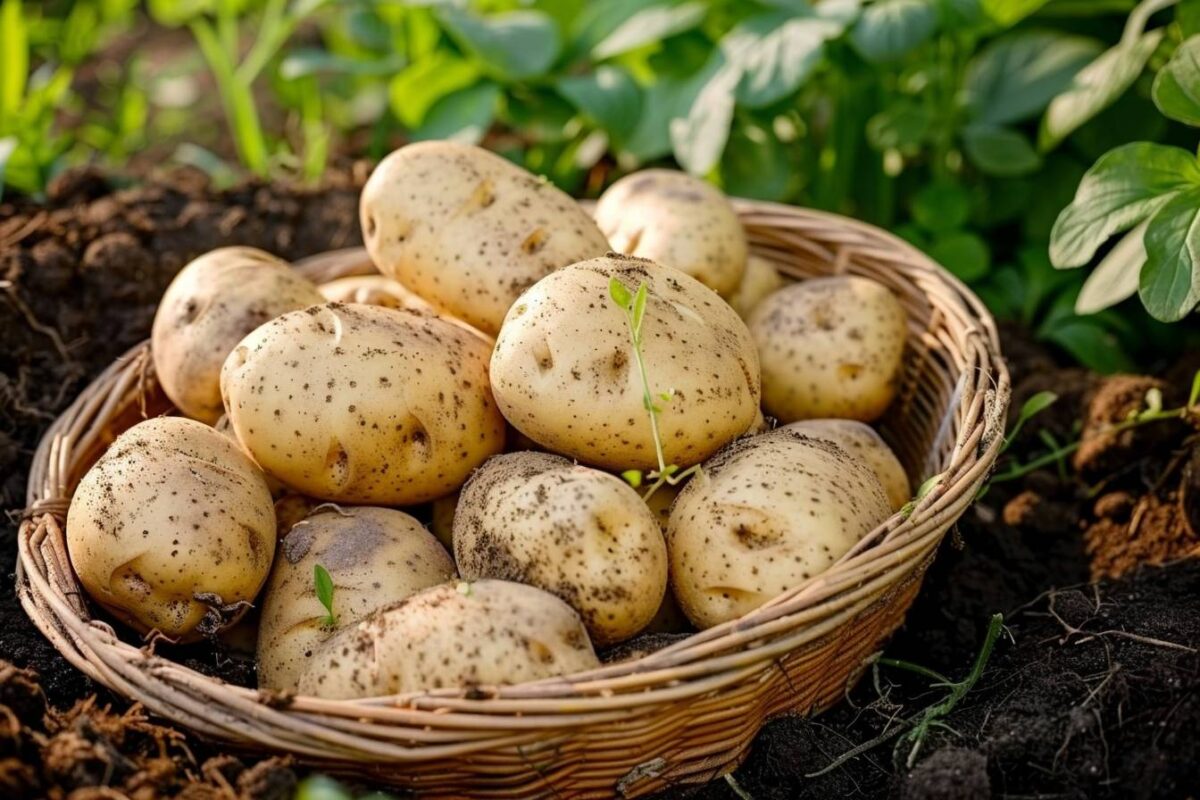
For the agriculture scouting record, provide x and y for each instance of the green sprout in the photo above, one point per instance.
(323, 584)
(634, 306)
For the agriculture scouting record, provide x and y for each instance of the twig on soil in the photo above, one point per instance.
(1087, 636)
(31, 319)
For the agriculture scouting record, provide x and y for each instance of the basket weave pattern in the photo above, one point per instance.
(687, 713)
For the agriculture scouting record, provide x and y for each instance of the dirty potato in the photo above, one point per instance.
(172, 529)
(213, 302)
(829, 347)
(767, 513)
(375, 556)
(760, 280)
(677, 220)
(576, 532)
(362, 404)
(468, 230)
(861, 440)
(373, 290)
(564, 372)
(483, 633)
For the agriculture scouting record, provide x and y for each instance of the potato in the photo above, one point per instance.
(766, 514)
(861, 440)
(172, 529)
(469, 231)
(576, 532)
(660, 504)
(759, 281)
(830, 347)
(677, 220)
(373, 290)
(225, 428)
(213, 302)
(290, 509)
(564, 373)
(375, 556)
(467, 634)
(362, 404)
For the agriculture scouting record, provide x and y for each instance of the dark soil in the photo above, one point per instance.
(1111, 711)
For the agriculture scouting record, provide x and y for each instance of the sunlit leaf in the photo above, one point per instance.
(1115, 278)
(1177, 85)
(515, 44)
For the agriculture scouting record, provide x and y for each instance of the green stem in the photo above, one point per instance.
(647, 397)
(924, 672)
(275, 30)
(236, 99)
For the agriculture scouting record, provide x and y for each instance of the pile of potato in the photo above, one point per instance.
(452, 442)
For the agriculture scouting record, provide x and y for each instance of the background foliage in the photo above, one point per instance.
(964, 125)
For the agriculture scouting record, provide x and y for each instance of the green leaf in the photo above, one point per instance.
(964, 254)
(307, 61)
(755, 164)
(890, 29)
(619, 292)
(633, 477)
(173, 13)
(651, 136)
(1014, 77)
(1096, 87)
(323, 584)
(1177, 85)
(1010, 12)
(998, 151)
(514, 45)
(776, 52)
(1187, 14)
(464, 116)
(1090, 343)
(1115, 278)
(941, 207)
(903, 126)
(699, 138)
(418, 86)
(649, 25)
(639, 309)
(14, 58)
(1124, 187)
(1169, 284)
(1029, 409)
(608, 97)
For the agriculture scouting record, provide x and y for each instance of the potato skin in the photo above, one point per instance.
(211, 304)
(375, 556)
(578, 533)
(760, 280)
(564, 374)
(767, 513)
(362, 404)
(172, 521)
(677, 220)
(483, 633)
(830, 347)
(469, 231)
(861, 440)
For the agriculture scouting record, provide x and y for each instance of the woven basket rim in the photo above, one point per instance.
(451, 722)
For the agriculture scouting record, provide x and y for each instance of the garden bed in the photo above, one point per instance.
(1098, 695)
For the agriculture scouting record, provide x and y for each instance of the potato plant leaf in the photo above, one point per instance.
(463, 116)
(514, 45)
(649, 25)
(890, 29)
(1010, 12)
(1177, 85)
(1169, 284)
(1115, 278)
(415, 89)
(619, 292)
(1031, 408)
(1187, 14)
(1124, 187)
(323, 585)
(608, 96)
(1000, 151)
(1096, 87)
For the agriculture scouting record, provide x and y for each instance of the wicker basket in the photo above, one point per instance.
(684, 714)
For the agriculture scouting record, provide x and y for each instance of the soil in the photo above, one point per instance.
(1092, 692)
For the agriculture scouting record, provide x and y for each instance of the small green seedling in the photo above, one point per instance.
(323, 584)
(634, 306)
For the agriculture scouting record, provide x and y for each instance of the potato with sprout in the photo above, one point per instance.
(374, 556)
(564, 372)
(213, 302)
(766, 514)
(484, 633)
(677, 220)
(172, 529)
(362, 404)
(830, 347)
(468, 230)
(579, 533)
